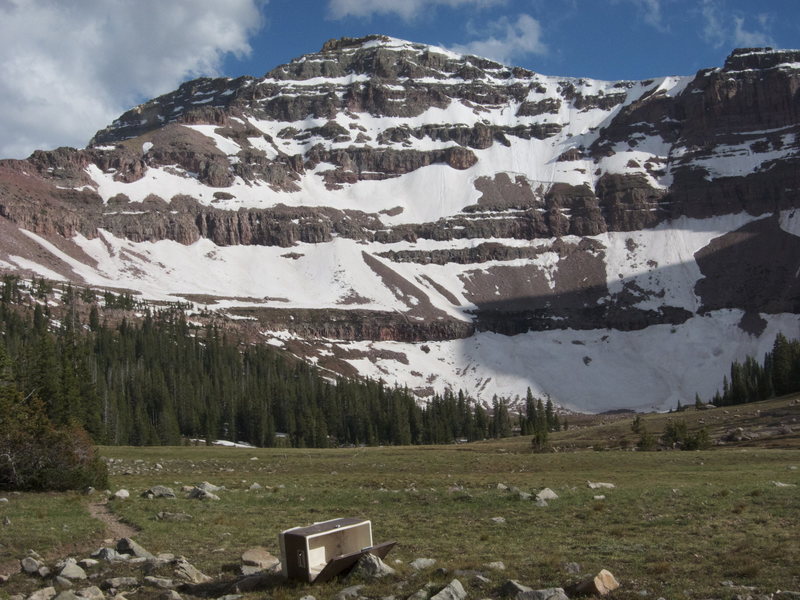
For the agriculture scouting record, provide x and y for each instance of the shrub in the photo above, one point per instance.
(35, 455)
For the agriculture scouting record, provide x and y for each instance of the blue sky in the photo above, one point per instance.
(603, 39)
(70, 67)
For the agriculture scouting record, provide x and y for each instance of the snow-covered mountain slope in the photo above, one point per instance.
(400, 211)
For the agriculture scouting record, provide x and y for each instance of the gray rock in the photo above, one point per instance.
(62, 583)
(502, 487)
(544, 594)
(418, 564)
(255, 486)
(231, 597)
(30, 565)
(525, 496)
(43, 594)
(572, 568)
(72, 571)
(308, 597)
(512, 587)
(259, 557)
(3, 499)
(247, 570)
(209, 487)
(185, 571)
(121, 582)
(547, 494)
(44, 571)
(597, 485)
(200, 494)
(497, 565)
(129, 546)
(370, 566)
(480, 581)
(88, 563)
(159, 491)
(541, 502)
(91, 593)
(348, 593)
(452, 591)
(163, 583)
(173, 517)
(6, 521)
(122, 494)
(66, 595)
(498, 520)
(419, 595)
(109, 554)
(170, 595)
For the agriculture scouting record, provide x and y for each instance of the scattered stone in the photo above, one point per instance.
(370, 566)
(547, 494)
(121, 582)
(259, 557)
(596, 485)
(43, 594)
(354, 591)
(88, 563)
(780, 484)
(63, 583)
(30, 565)
(502, 487)
(208, 487)
(159, 491)
(497, 565)
(109, 554)
(525, 496)
(72, 571)
(600, 497)
(129, 546)
(3, 499)
(572, 568)
(544, 594)
(541, 503)
(91, 593)
(170, 595)
(163, 583)
(255, 486)
(66, 595)
(199, 494)
(419, 595)
(601, 584)
(43, 571)
(452, 591)
(173, 517)
(6, 521)
(121, 494)
(307, 597)
(185, 571)
(480, 581)
(512, 587)
(418, 564)
(498, 520)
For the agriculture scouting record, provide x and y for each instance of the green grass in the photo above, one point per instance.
(677, 524)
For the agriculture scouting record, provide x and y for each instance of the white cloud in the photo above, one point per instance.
(69, 68)
(723, 27)
(507, 40)
(405, 9)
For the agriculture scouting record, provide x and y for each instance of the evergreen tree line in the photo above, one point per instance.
(159, 380)
(750, 381)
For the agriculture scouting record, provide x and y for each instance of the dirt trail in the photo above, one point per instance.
(114, 527)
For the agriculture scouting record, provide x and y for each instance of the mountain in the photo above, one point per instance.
(397, 210)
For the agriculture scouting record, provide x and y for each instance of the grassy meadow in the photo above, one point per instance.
(676, 525)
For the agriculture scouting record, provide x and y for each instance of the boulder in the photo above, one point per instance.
(418, 564)
(452, 591)
(173, 517)
(30, 565)
(121, 582)
(72, 570)
(43, 594)
(162, 583)
(208, 487)
(599, 585)
(543, 594)
(349, 593)
(498, 520)
(109, 555)
(159, 491)
(512, 587)
(185, 571)
(201, 494)
(88, 563)
(66, 595)
(597, 485)
(259, 557)
(370, 566)
(121, 495)
(547, 494)
(91, 593)
(129, 546)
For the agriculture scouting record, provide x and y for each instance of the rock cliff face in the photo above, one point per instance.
(386, 192)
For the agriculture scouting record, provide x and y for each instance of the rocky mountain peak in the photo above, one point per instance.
(742, 59)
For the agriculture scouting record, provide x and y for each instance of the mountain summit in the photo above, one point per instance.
(438, 220)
